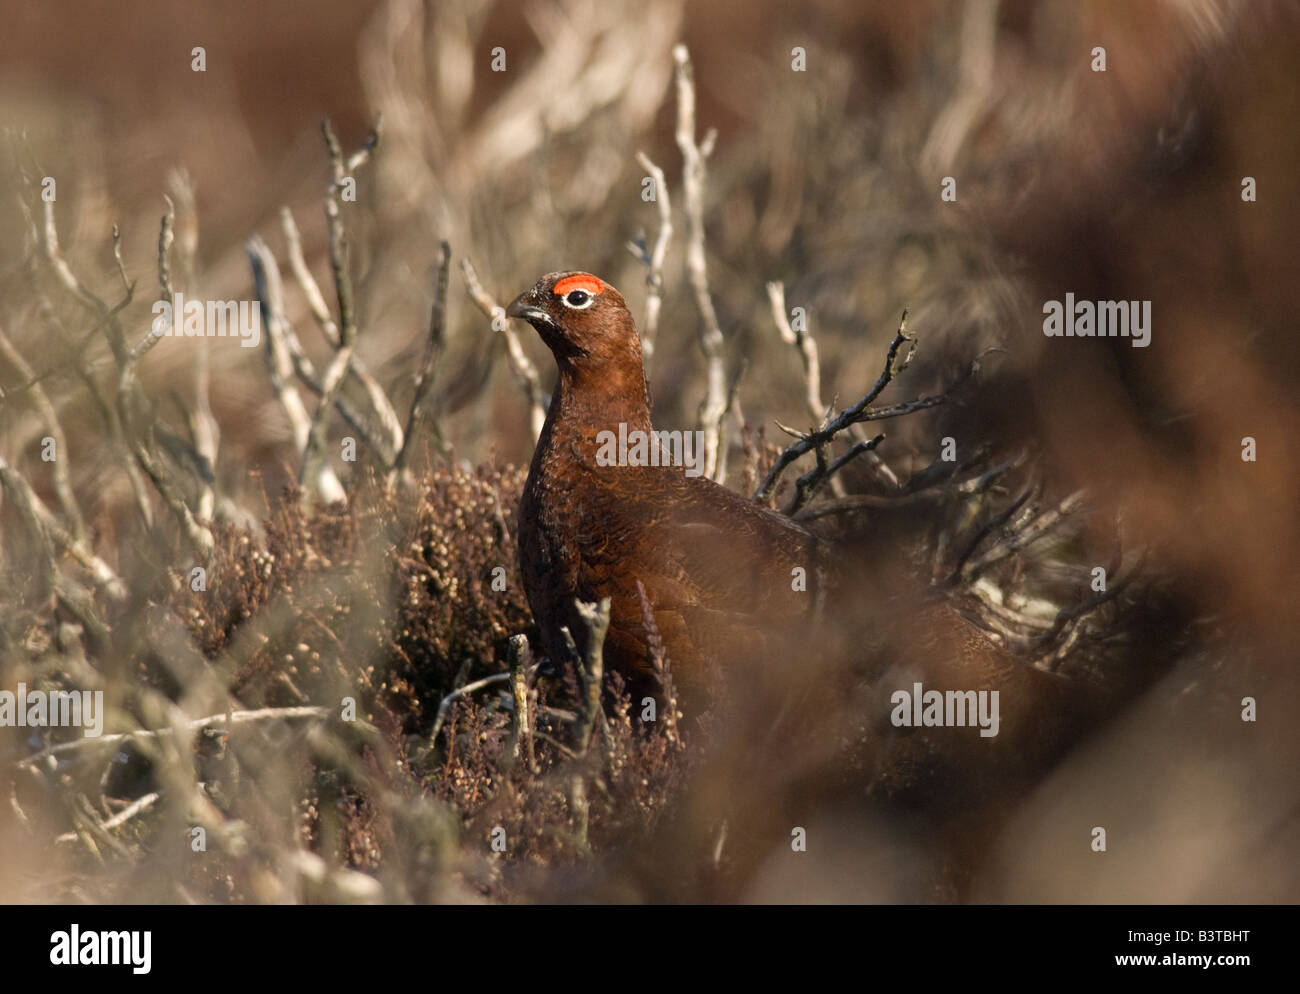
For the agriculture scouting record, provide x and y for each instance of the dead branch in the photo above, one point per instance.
(444, 708)
(713, 407)
(127, 358)
(596, 619)
(45, 237)
(520, 664)
(339, 254)
(1031, 531)
(50, 533)
(432, 353)
(807, 485)
(150, 734)
(62, 477)
(205, 434)
(804, 343)
(136, 807)
(279, 362)
(654, 258)
(383, 409)
(850, 415)
(916, 491)
(523, 368)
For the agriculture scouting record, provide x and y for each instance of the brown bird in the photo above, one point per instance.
(721, 573)
(726, 579)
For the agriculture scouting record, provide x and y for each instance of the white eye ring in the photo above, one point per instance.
(588, 299)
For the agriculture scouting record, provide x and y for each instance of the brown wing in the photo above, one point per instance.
(726, 579)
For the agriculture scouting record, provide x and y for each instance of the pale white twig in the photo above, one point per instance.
(46, 236)
(62, 476)
(803, 341)
(444, 708)
(279, 361)
(523, 368)
(654, 258)
(714, 406)
(126, 814)
(337, 371)
(102, 574)
(379, 401)
(145, 734)
(205, 433)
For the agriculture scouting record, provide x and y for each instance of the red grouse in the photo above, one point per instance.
(816, 688)
(727, 580)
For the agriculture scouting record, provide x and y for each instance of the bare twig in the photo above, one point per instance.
(266, 276)
(138, 806)
(1035, 529)
(166, 235)
(51, 533)
(807, 485)
(385, 448)
(523, 368)
(205, 434)
(432, 352)
(713, 408)
(61, 474)
(520, 663)
(147, 734)
(803, 341)
(927, 492)
(959, 572)
(460, 692)
(47, 569)
(850, 415)
(46, 237)
(1075, 614)
(199, 536)
(49, 241)
(306, 370)
(128, 287)
(596, 619)
(654, 258)
(339, 254)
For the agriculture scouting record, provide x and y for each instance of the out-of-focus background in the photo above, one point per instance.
(1122, 184)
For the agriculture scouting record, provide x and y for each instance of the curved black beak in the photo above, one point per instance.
(523, 307)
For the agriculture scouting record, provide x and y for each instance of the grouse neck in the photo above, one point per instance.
(591, 401)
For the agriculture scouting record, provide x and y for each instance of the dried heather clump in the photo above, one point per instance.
(391, 594)
(458, 596)
(565, 809)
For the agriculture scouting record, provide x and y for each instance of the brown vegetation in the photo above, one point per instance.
(347, 700)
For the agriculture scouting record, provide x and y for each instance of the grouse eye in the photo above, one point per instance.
(577, 298)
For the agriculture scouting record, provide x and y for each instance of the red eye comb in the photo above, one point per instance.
(579, 281)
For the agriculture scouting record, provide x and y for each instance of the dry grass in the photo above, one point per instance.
(334, 707)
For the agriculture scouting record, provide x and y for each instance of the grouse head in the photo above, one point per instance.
(582, 319)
